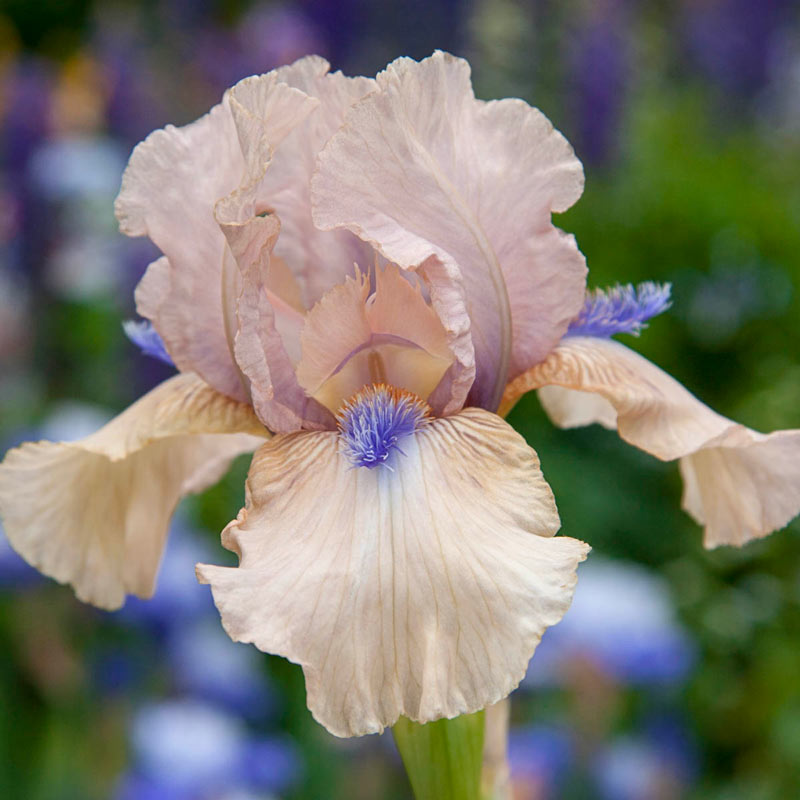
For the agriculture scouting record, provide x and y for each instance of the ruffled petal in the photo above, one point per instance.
(94, 513)
(399, 309)
(352, 339)
(168, 193)
(335, 327)
(286, 299)
(421, 591)
(449, 300)
(274, 197)
(259, 347)
(743, 485)
(319, 260)
(421, 168)
(738, 483)
(571, 408)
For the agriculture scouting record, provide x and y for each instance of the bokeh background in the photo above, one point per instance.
(676, 674)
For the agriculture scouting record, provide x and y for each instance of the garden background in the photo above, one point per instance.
(677, 672)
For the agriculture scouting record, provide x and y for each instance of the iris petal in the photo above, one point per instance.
(352, 339)
(739, 483)
(422, 592)
(94, 513)
(421, 169)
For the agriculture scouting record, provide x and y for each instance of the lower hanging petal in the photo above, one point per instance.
(94, 513)
(420, 590)
(743, 485)
(739, 483)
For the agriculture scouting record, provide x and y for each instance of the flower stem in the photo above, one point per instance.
(443, 758)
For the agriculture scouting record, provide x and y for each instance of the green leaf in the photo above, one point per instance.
(443, 758)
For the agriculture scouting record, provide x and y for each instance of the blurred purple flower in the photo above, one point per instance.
(621, 620)
(26, 113)
(16, 318)
(15, 573)
(25, 122)
(207, 663)
(276, 35)
(186, 749)
(270, 764)
(77, 167)
(76, 178)
(540, 756)
(178, 597)
(732, 42)
(637, 767)
(118, 668)
(599, 76)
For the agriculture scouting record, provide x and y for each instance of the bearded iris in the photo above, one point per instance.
(398, 535)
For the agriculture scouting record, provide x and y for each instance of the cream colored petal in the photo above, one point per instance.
(397, 365)
(738, 483)
(743, 485)
(265, 110)
(285, 297)
(421, 591)
(449, 300)
(283, 286)
(570, 408)
(276, 181)
(421, 168)
(94, 513)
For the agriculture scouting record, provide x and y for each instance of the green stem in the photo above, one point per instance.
(443, 758)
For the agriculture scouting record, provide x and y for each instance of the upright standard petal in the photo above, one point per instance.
(421, 168)
(420, 590)
(319, 260)
(94, 513)
(168, 193)
(739, 483)
(274, 197)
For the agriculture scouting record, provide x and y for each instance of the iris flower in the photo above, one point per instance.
(358, 275)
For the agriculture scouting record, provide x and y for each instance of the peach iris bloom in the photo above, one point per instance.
(357, 275)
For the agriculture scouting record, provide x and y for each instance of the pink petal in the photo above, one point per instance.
(94, 513)
(449, 300)
(393, 337)
(318, 259)
(335, 327)
(261, 354)
(420, 592)
(168, 193)
(421, 168)
(277, 179)
(739, 483)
